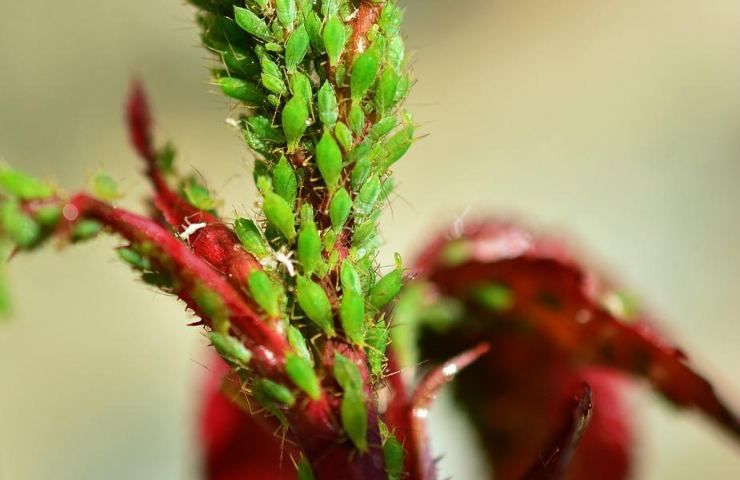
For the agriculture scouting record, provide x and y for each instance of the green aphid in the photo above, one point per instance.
(242, 90)
(329, 7)
(361, 172)
(279, 213)
(368, 196)
(284, 180)
(18, 225)
(286, 12)
(23, 186)
(455, 253)
(302, 374)
(494, 296)
(364, 71)
(166, 158)
(402, 91)
(340, 75)
(86, 230)
(353, 412)
(296, 48)
(104, 187)
(261, 128)
(276, 392)
(294, 120)
(390, 19)
(339, 209)
(304, 470)
(347, 373)
(198, 196)
(300, 84)
(158, 280)
(377, 342)
(329, 241)
(357, 118)
(315, 303)
(240, 62)
(352, 315)
(393, 454)
(251, 23)
(251, 238)
(335, 37)
(350, 278)
(272, 77)
(230, 348)
(210, 304)
(298, 342)
(387, 287)
(134, 258)
(48, 216)
(385, 96)
(313, 27)
(344, 136)
(397, 146)
(265, 292)
(383, 128)
(328, 109)
(309, 242)
(329, 160)
(395, 52)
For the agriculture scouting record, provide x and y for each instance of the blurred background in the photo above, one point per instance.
(614, 123)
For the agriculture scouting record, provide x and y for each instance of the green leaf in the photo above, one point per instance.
(335, 36)
(301, 373)
(296, 48)
(230, 348)
(294, 117)
(352, 315)
(284, 180)
(23, 186)
(241, 90)
(309, 242)
(364, 71)
(251, 23)
(298, 342)
(328, 109)
(315, 303)
(265, 292)
(354, 418)
(276, 392)
(329, 160)
(339, 209)
(251, 238)
(286, 12)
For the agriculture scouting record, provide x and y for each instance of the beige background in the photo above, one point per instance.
(614, 122)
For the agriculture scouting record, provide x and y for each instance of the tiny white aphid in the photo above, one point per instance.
(234, 122)
(282, 258)
(189, 230)
(458, 226)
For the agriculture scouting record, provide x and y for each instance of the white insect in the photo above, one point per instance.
(189, 230)
(458, 226)
(282, 258)
(234, 122)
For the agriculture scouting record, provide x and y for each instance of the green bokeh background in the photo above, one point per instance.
(615, 123)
